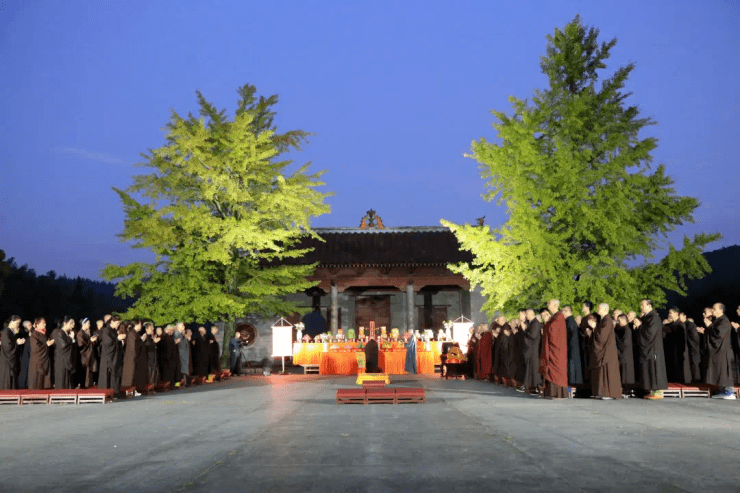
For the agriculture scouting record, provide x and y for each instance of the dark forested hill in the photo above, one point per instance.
(722, 285)
(25, 293)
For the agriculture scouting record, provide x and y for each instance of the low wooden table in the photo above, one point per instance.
(367, 377)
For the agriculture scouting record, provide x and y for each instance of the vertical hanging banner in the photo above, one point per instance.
(282, 338)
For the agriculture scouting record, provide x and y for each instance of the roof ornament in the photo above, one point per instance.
(371, 221)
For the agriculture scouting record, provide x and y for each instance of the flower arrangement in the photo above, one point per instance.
(351, 334)
(307, 338)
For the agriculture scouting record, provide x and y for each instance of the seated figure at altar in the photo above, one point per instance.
(315, 322)
(371, 356)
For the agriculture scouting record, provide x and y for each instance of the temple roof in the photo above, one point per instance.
(416, 245)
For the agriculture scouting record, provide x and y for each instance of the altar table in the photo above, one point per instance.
(307, 353)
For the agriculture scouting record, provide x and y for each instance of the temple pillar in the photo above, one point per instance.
(410, 306)
(334, 308)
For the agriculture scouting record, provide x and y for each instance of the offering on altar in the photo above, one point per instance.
(362, 332)
(306, 338)
(417, 334)
(428, 335)
(383, 332)
(299, 331)
(351, 334)
(340, 335)
(441, 335)
(394, 334)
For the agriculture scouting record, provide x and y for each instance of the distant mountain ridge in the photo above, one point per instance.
(721, 285)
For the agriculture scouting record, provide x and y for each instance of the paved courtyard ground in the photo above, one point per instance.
(285, 433)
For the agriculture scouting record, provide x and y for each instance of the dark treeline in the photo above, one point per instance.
(25, 293)
(721, 285)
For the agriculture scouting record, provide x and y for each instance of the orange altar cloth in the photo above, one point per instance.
(425, 362)
(392, 362)
(307, 353)
(337, 362)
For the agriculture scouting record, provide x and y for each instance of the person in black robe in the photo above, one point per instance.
(719, 369)
(169, 362)
(653, 378)
(680, 342)
(110, 353)
(575, 375)
(141, 361)
(735, 340)
(10, 345)
(623, 333)
(693, 342)
(506, 349)
(669, 351)
(584, 336)
(371, 356)
(518, 328)
(65, 361)
(235, 352)
(201, 352)
(704, 341)
(631, 318)
(24, 354)
(151, 344)
(533, 337)
(214, 349)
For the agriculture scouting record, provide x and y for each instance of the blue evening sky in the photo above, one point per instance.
(394, 91)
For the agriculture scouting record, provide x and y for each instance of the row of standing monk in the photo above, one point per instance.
(550, 352)
(109, 355)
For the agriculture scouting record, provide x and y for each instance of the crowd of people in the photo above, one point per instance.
(551, 351)
(107, 355)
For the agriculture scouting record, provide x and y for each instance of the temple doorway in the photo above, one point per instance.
(375, 308)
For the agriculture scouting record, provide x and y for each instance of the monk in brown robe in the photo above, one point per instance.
(605, 379)
(554, 355)
(39, 363)
(485, 356)
(135, 359)
(86, 343)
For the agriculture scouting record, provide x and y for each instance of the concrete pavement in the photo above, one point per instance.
(285, 433)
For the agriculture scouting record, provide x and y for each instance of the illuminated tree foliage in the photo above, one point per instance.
(220, 212)
(583, 202)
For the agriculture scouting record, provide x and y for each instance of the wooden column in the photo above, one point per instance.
(334, 308)
(410, 306)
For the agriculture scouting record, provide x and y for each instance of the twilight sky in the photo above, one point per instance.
(394, 91)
